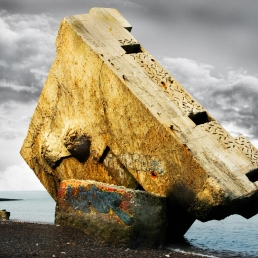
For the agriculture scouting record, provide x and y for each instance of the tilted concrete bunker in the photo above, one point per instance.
(110, 118)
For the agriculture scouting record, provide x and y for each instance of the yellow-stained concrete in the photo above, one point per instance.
(142, 128)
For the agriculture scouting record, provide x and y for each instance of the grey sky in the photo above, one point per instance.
(208, 46)
(219, 32)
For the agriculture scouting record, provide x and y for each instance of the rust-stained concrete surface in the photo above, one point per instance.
(110, 112)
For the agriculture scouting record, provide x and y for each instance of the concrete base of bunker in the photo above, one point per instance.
(113, 214)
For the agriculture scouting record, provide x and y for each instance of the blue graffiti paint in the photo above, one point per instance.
(99, 200)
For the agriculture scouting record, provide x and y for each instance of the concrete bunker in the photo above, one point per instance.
(123, 147)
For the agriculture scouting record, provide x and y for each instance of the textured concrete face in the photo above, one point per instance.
(110, 112)
(111, 213)
(4, 215)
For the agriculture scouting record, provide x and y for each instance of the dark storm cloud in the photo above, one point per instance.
(7, 94)
(222, 33)
(62, 8)
(28, 32)
(239, 105)
(228, 29)
(27, 51)
(231, 98)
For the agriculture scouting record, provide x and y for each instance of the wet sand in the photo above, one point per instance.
(23, 239)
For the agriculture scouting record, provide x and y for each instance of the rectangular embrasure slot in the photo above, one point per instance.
(200, 118)
(253, 175)
(128, 28)
(132, 48)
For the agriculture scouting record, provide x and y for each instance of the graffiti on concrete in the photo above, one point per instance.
(140, 162)
(101, 201)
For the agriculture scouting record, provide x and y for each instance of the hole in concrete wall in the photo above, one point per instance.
(132, 48)
(104, 155)
(58, 162)
(200, 118)
(253, 175)
(139, 187)
(128, 28)
(78, 146)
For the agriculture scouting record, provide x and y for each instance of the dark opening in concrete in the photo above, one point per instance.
(79, 147)
(58, 162)
(253, 175)
(200, 118)
(104, 154)
(139, 187)
(132, 48)
(128, 28)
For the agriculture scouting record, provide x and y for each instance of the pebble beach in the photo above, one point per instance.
(23, 239)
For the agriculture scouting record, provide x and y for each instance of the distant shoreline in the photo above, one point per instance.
(6, 199)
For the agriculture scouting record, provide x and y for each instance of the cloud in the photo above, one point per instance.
(27, 51)
(129, 4)
(14, 122)
(19, 178)
(14, 119)
(231, 98)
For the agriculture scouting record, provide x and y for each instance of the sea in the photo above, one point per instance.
(234, 236)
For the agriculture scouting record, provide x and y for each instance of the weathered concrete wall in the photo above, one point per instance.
(112, 213)
(4, 215)
(110, 112)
